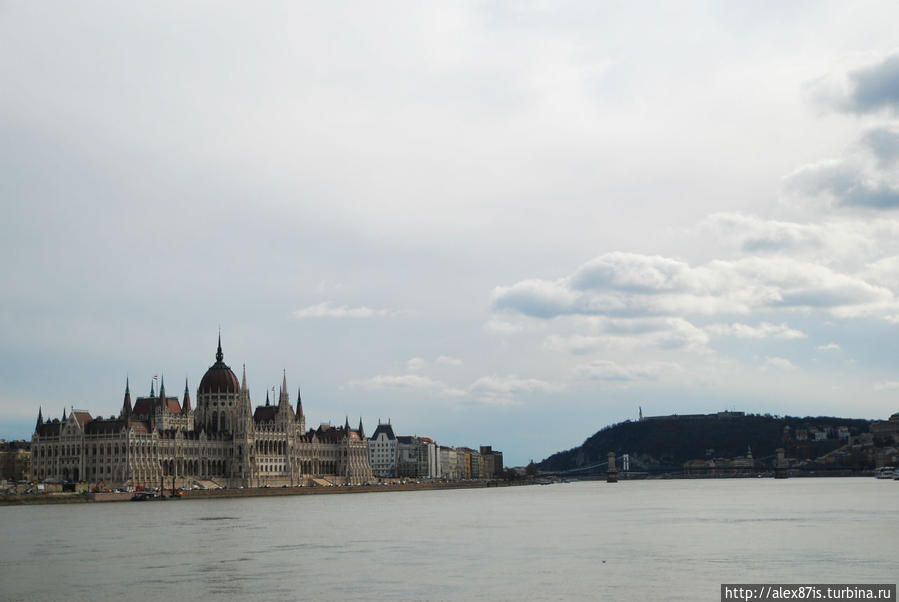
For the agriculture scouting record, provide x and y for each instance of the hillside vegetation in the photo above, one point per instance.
(666, 443)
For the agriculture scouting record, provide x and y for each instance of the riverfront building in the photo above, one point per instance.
(382, 451)
(224, 440)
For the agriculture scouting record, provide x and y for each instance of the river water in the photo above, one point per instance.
(636, 540)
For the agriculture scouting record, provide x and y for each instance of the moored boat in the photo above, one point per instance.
(885, 472)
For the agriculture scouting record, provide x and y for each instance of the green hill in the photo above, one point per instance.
(665, 443)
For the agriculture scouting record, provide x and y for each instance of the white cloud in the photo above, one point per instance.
(849, 243)
(780, 363)
(502, 326)
(575, 343)
(884, 272)
(765, 330)
(610, 334)
(326, 310)
(446, 360)
(889, 385)
(504, 390)
(415, 364)
(408, 382)
(610, 371)
(828, 347)
(326, 285)
(490, 390)
(512, 384)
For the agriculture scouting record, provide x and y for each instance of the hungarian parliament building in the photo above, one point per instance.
(223, 440)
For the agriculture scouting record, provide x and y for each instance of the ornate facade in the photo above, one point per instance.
(223, 441)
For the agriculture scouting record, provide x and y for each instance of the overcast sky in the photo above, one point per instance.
(492, 223)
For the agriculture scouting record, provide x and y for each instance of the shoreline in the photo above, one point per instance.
(200, 494)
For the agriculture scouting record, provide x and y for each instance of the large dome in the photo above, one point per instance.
(219, 378)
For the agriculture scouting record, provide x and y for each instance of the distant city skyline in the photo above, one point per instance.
(497, 224)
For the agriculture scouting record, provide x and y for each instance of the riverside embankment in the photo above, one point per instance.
(74, 498)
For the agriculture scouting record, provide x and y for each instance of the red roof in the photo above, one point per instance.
(82, 417)
(146, 405)
(264, 414)
(219, 378)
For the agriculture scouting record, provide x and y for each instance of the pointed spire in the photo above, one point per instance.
(299, 404)
(284, 398)
(162, 387)
(40, 417)
(244, 396)
(219, 356)
(63, 414)
(361, 430)
(185, 405)
(266, 398)
(126, 403)
(346, 425)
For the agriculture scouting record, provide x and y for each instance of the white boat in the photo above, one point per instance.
(885, 472)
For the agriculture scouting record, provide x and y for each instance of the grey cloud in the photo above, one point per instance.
(883, 142)
(717, 288)
(756, 235)
(875, 87)
(631, 272)
(838, 296)
(536, 298)
(864, 89)
(845, 183)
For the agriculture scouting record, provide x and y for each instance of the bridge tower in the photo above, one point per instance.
(612, 474)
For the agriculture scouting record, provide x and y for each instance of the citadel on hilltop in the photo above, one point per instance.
(224, 442)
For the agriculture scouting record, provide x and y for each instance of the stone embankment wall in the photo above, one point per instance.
(263, 491)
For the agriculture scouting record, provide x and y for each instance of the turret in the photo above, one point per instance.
(299, 404)
(244, 397)
(284, 399)
(361, 430)
(185, 405)
(126, 403)
(40, 419)
(162, 401)
(301, 419)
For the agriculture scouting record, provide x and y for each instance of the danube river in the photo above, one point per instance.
(637, 540)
